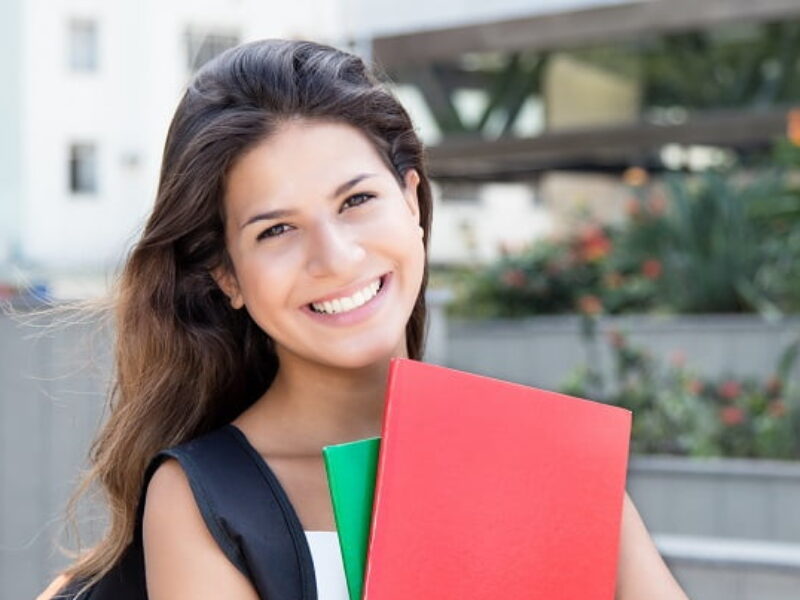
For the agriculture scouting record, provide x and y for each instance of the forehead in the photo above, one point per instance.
(301, 159)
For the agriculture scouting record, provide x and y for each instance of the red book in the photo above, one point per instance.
(487, 489)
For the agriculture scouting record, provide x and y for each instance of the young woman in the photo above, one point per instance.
(283, 265)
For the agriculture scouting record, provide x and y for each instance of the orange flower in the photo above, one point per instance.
(793, 126)
(732, 415)
(652, 268)
(590, 304)
(635, 176)
(594, 243)
(730, 389)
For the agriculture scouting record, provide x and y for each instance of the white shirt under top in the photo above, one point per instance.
(328, 565)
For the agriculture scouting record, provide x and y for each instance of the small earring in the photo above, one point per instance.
(421, 231)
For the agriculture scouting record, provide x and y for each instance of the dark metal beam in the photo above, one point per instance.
(576, 28)
(600, 148)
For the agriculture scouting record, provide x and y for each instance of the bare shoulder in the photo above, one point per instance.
(642, 574)
(182, 559)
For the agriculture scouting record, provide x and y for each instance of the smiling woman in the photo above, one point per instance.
(282, 267)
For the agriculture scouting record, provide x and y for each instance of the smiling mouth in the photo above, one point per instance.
(348, 303)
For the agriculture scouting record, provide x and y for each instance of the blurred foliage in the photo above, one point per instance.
(675, 411)
(732, 66)
(724, 241)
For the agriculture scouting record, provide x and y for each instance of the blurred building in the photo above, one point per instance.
(565, 97)
(531, 111)
(88, 91)
(91, 88)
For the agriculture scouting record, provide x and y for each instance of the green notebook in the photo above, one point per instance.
(351, 471)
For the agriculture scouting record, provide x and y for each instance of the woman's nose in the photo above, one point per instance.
(332, 250)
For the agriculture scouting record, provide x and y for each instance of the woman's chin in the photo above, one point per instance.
(361, 358)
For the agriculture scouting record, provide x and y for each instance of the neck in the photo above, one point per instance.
(311, 405)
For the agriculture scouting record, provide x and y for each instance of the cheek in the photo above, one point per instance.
(268, 283)
(397, 226)
(401, 241)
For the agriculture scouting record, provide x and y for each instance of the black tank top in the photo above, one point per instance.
(247, 512)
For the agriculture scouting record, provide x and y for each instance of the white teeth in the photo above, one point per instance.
(339, 305)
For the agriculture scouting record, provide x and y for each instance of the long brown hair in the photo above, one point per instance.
(185, 361)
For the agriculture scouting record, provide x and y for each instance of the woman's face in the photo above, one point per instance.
(316, 222)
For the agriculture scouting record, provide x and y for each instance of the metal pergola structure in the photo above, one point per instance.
(429, 60)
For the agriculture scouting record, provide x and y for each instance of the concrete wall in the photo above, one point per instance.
(51, 395)
(543, 351)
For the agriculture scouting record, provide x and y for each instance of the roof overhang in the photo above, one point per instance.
(575, 28)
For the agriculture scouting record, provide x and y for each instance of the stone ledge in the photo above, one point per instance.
(728, 552)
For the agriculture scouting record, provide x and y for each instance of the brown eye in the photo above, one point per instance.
(360, 199)
(273, 231)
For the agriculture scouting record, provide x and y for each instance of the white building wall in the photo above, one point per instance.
(10, 134)
(503, 215)
(124, 106)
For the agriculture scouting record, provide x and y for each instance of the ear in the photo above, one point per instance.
(410, 191)
(229, 286)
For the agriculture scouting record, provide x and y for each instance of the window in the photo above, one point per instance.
(83, 45)
(83, 168)
(203, 45)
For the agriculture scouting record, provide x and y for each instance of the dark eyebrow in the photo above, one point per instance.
(282, 212)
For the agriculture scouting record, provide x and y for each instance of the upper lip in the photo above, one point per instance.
(347, 291)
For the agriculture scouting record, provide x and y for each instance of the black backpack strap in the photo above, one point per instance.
(247, 512)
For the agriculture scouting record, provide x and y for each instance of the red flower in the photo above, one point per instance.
(732, 415)
(594, 243)
(590, 305)
(514, 278)
(652, 268)
(777, 408)
(730, 389)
